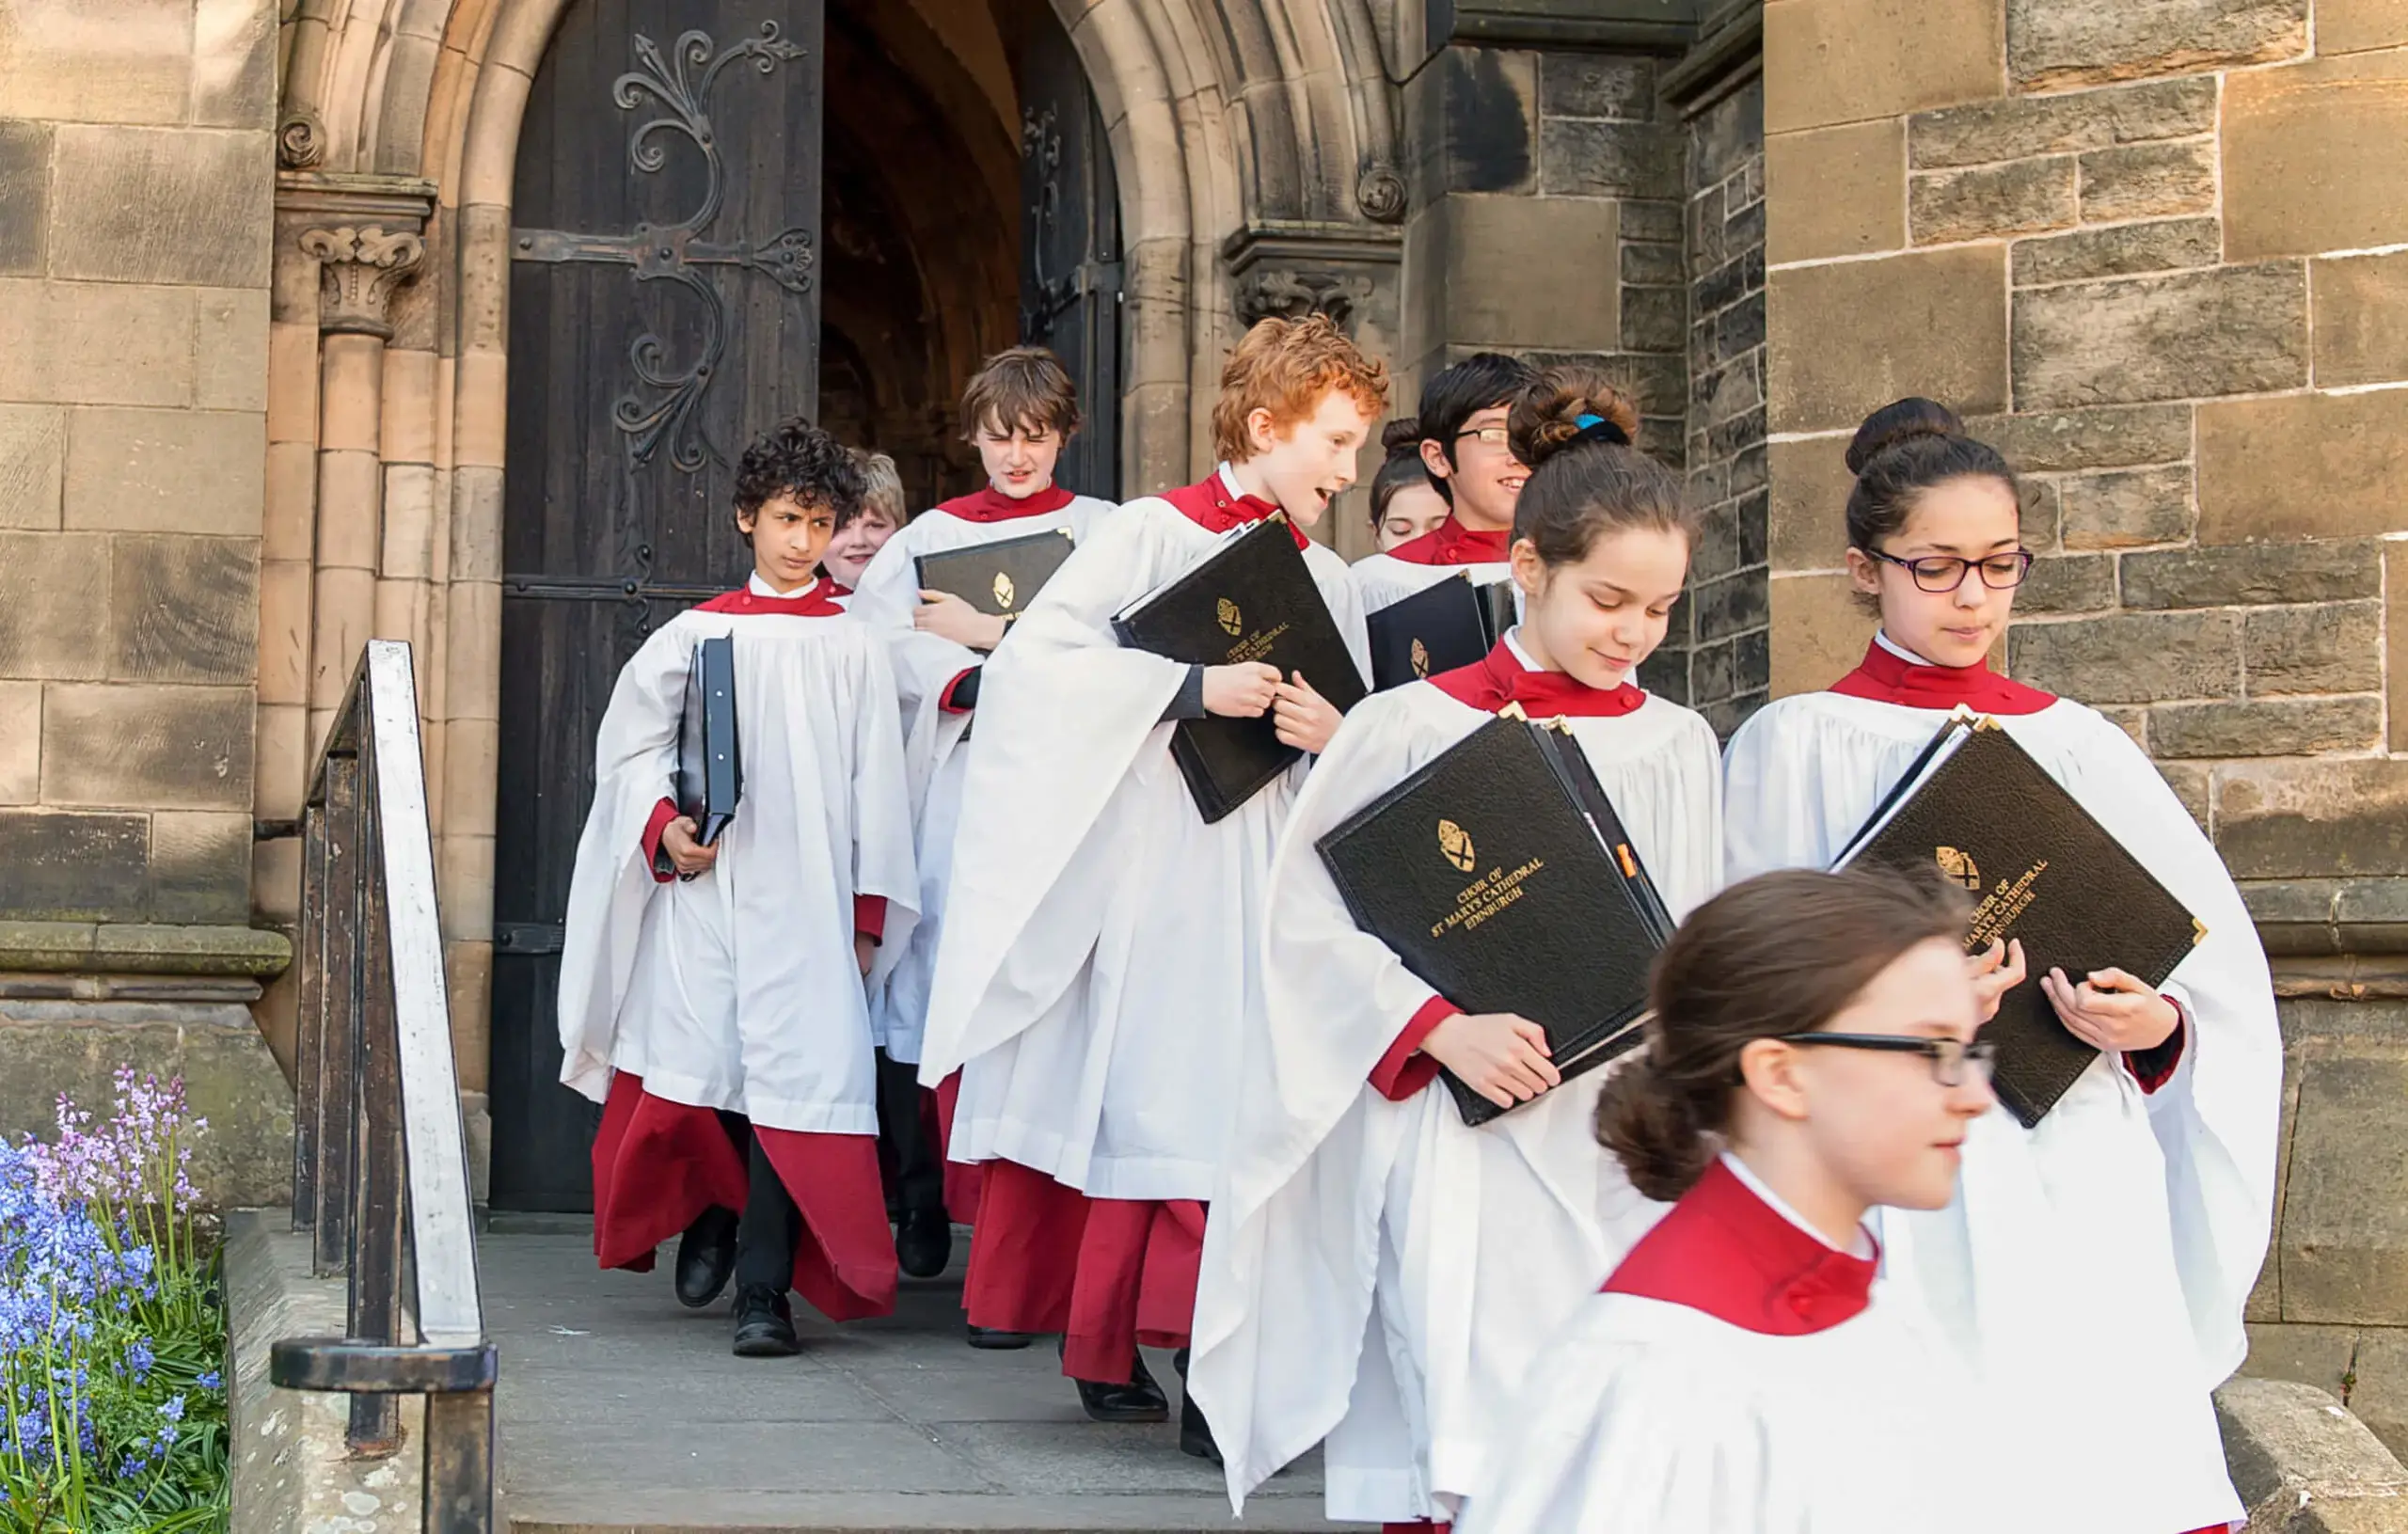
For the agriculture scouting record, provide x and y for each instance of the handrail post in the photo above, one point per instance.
(380, 1166)
(374, 1307)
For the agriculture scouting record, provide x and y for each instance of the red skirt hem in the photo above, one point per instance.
(658, 1164)
(1107, 1274)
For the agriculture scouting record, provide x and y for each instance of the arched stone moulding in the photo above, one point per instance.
(1225, 115)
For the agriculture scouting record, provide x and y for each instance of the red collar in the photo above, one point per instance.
(1888, 678)
(992, 505)
(813, 601)
(1726, 1252)
(1499, 678)
(1452, 543)
(1209, 506)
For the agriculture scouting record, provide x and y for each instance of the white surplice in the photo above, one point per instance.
(1377, 1271)
(934, 763)
(1100, 951)
(2094, 1265)
(1383, 579)
(1646, 1416)
(739, 988)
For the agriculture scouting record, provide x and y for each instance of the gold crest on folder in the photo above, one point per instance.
(1455, 843)
(1420, 660)
(1004, 593)
(1226, 612)
(1958, 866)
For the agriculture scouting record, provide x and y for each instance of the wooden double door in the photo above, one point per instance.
(664, 310)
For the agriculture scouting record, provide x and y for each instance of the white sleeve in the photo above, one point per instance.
(635, 766)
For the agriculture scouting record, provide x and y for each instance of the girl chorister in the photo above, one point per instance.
(1812, 1054)
(711, 997)
(2097, 1263)
(1376, 1270)
(1021, 408)
(1099, 949)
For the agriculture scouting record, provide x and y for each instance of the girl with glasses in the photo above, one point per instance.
(1812, 1056)
(1375, 1272)
(2101, 1258)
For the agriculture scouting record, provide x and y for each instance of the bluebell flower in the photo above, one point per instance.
(213, 1380)
(173, 1409)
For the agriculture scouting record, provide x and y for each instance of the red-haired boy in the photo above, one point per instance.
(1100, 949)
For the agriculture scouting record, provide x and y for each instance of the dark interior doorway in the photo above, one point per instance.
(953, 195)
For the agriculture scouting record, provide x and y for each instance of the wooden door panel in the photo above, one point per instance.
(662, 314)
(1071, 258)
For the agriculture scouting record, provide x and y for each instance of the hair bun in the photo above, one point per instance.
(1402, 433)
(1546, 418)
(1900, 421)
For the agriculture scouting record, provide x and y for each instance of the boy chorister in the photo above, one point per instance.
(1469, 461)
(1100, 952)
(1019, 410)
(711, 997)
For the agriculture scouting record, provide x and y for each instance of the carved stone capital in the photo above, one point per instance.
(359, 269)
(1292, 292)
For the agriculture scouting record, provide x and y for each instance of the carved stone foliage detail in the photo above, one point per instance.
(359, 269)
(1293, 293)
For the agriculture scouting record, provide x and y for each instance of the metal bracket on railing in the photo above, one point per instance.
(380, 1158)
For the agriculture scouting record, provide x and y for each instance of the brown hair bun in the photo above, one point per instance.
(1901, 420)
(1546, 418)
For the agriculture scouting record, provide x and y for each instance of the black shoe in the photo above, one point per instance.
(990, 1339)
(1139, 1401)
(1195, 1433)
(924, 1242)
(764, 1323)
(705, 1256)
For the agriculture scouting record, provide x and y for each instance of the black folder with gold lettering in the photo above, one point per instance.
(2044, 872)
(999, 578)
(1499, 873)
(1448, 624)
(1252, 598)
(710, 760)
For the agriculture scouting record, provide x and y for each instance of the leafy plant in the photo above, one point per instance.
(112, 1327)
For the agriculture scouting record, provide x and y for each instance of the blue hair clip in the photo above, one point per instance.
(1598, 429)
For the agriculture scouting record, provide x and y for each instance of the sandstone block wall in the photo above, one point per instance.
(2154, 252)
(1546, 221)
(135, 181)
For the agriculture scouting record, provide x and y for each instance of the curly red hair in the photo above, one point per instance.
(1287, 367)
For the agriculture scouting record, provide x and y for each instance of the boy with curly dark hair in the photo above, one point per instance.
(712, 994)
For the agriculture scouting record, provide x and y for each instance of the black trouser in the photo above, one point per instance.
(770, 1228)
(919, 1165)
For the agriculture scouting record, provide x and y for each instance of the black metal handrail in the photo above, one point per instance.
(380, 1166)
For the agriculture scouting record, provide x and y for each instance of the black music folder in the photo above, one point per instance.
(1000, 579)
(1252, 598)
(1450, 622)
(1502, 876)
(2043, 871)
(710, 763)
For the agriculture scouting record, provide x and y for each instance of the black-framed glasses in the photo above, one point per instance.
(1952, 1059)
(1496, 436)
(1946, 572)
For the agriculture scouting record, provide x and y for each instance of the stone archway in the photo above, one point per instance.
(1234, 124)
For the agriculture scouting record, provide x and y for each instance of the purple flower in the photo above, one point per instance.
(213, 1380)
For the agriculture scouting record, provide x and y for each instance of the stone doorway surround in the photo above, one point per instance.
(396, 136)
